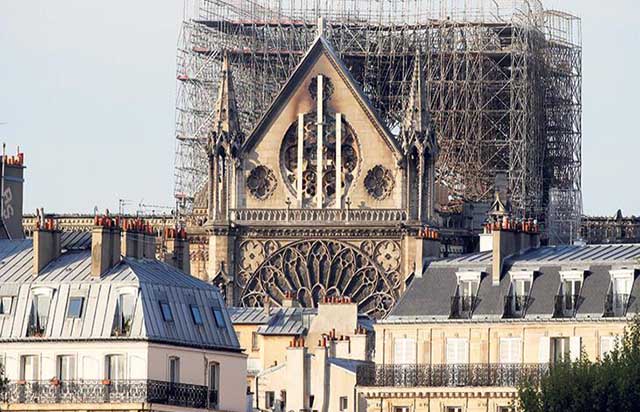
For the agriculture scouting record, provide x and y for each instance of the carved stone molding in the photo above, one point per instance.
(261, 182)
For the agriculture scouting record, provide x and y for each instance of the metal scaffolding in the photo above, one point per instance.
(504, 85)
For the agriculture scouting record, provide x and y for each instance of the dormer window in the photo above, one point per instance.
(167, 315)
(518, 298)
(6, 302)
(617, 298)
(196, 315)
(463, 303)
(123, 318)
(568, 296)
(39, 315)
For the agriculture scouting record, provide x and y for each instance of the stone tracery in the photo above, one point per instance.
(314, 269)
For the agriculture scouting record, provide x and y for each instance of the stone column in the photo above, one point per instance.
(338, 161)
(420, 184)
(299, 171)
(319, 144)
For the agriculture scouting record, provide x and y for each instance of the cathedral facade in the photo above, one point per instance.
(321, 199)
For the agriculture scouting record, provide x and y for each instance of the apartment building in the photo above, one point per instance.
(304, 359)
(98, 323)
(470, 328)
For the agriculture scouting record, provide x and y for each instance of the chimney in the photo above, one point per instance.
(428, 246)
(46, 242)
(149, 249)
(508, 238)
(12, 183)
(178, 249)
(289, 300)
(131, 238)
(105, 245)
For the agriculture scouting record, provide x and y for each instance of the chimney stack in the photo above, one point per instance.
(149, 238)
(105, 245)
(131, 238)
(178, 249)
(12, 183)
(289, 300)
(428, 246)
(46, 242)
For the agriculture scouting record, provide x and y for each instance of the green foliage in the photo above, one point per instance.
(611, 384)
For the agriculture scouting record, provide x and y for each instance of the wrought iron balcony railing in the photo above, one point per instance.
(427, 375)
(318, 215)
(105, 391)
(615, 305)
(462, 307)
(515, 306)
(566, 305)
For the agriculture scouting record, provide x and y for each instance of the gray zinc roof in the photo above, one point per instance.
(150, 281)
(429, 298)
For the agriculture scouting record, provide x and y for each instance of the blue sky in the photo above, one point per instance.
(87, 89)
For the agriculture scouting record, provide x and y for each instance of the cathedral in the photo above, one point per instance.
(321, 199)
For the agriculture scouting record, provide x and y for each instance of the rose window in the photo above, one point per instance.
(289, 158)
(261, 182)
(379, 182)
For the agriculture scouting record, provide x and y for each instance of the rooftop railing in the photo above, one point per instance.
(566, 305)
(615, 305)
(429, 375)
(515, 306)
(462, 307)
(108, 391)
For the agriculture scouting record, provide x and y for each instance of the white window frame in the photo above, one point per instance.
(571, 276)
(625, 274)
(344, 403)
(36, 369)
(511, 342)
(72, 367)
(4, 300)
(407, 346)
(467, 276)
(108, 372)
(457, 341)
(612, 341)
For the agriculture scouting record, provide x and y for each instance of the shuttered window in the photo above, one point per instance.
(457, 351)
(607, 344)
(404, 351)
(510, 350)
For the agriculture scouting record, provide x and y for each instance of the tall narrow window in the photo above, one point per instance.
(570, 286)
(167, 315)
(29, 368)
(115, 368)
(457, 351)
(174, 369)
(560, 350)
(607, 344)
(254, 341)
(219, 318)
(214, 385)
(124, 314)
(39, 316)
(66, 368)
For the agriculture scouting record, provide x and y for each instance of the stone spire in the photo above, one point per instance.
(225, 120)
(417, 122)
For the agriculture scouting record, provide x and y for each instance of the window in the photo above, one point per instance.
(457, 351)
(39, 314)
(217, 315)
(74, 310)
(115, 367)
(196, 315)
(269, 399)
(5, 305)
(29, 368)
(254, 341)
(214, 385)
(505, 409)
(510, 350)
(66, 368)
(124, 314)
(174, 369)
(560, 350)
(519, 290)
(571, 282)
(401, 409)
(166, 312)
(454, 409)
(344, 403)
(404, 351)
(607, 344)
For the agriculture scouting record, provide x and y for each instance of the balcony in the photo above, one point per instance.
(427, 375)
(566, 305)
(615, 305)
(462, 307)
(306, 216)
(515, 306)
(120, 391)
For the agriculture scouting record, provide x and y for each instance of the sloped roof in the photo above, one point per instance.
(70, 276)
(429, 298)
(280, 321)
(319, 46)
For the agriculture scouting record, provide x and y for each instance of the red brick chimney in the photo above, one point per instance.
(105, 244)
(46, 242)
(11, 188)
(177, 254)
